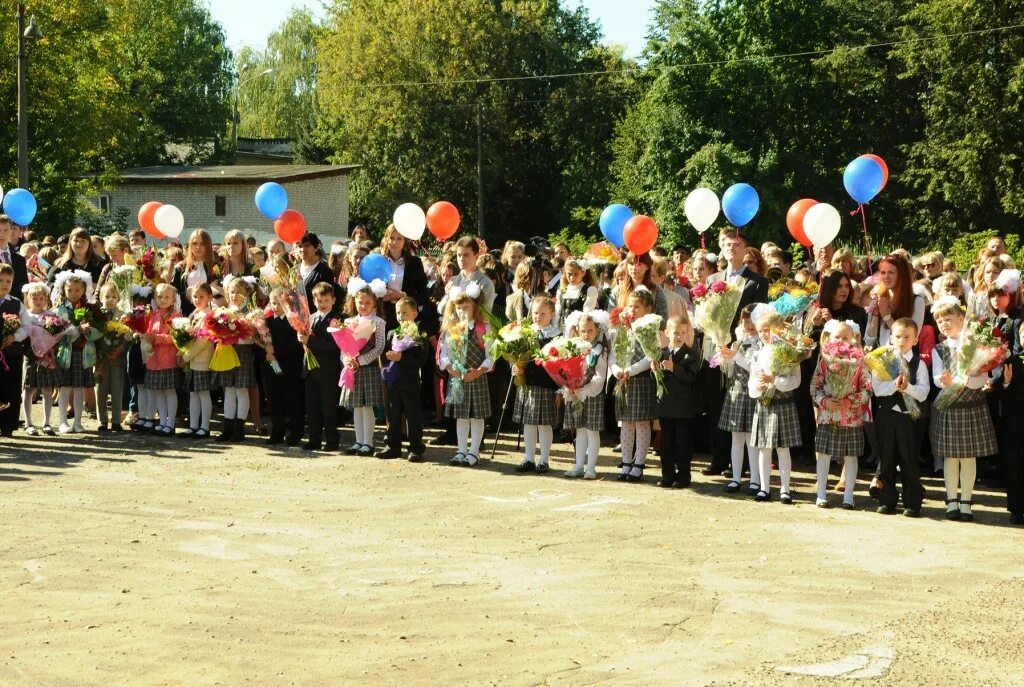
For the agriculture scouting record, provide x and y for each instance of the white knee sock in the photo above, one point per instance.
(755, 463)
(627, 438)
(63, 396)
(368, 421)
(161, 405)
(26, 404)
(461, 435)
(545, 436)
(739, 443)
(171, 404)
(357, 425)
(968, 473)
(593, 446)
(476, 426)
(785, 468)
(766, 469)
(581, 447)
(145, 411)
(643, 442)
(851, 478)
(823, 465)
(194, 410)
(951, 476)
(230, 403)
(529, 442)
(206, 406)
(241, 404)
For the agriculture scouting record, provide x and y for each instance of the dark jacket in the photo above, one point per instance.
(321, 273)
(322, 344)
(287, 349)
(414, 285)
(681, 399)
(179, 283)
(755, 290)
(409, 366)
(20, 272)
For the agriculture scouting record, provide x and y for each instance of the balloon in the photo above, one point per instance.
(375, 266)
(821, 224)
(863, 179)
(702, 208)
(613, 222)
(410, 221)
(881, 163)
(740, 203)
(640, 234)
(290, 226)
(169, 221)
(271, 200)
(146, 213)
(20, 205)
(443, 220)
(795, 220)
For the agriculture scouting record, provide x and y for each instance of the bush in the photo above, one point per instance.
(578, 243)
(964, 251)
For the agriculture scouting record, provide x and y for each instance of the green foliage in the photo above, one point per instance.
(965, 248)
(799, 253)
(578, 243)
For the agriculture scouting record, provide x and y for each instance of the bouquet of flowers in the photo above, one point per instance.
(90, 314)
(646, 331)
(790, 297)
(457, 340)
(406, 336)
(45, 336)
(151, 266)
(122, 278)
(37, 268)
(11, 323)
(786, 351)
(182, 333)
(351, 335)
(116, 332)
(715, 309)
(296, 311)
(137, 319)
(841, 362)
(518, 344)
(887, 362)
(982, 349)
(565, 361)
(602, 252)
(225, 328)
(621, 319)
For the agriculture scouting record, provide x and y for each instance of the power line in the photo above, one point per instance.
(713, 63)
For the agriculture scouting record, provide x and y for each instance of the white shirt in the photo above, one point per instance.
(397, 274)
(918, 389)
(196, 276)
(761, 364)
(938, 368)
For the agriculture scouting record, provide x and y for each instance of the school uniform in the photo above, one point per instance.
(775, 424)
(285, 391)
(368, 391)
(321, 384)
(110, 372)
(404, 399)
(639, 400)
(38, 375)
(897, 434)
(677, 411)
(577, 298)
(840, 433)
(535, 400)
(1011, 434)
(591, 417)
(476, 397)
(78, 353)
(737, 406)
(11, 367)
(963, 430)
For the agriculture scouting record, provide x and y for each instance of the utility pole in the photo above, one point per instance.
(480, 168)
(23, 179)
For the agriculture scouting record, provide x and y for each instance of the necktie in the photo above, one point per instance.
(5, 256)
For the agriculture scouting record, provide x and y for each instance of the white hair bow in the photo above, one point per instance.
(250, 280)
(946, 300)
(572, 320)
(471, 289)
(144, 291)
(1008, 281)
(337, 249)
(833, 326)
(600, 318)
(762, 311)
(56, 294)
(357, 284)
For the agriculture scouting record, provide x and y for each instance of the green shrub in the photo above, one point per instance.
(578, 243)
(964, 251)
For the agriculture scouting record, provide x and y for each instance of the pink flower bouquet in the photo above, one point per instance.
(351, 336)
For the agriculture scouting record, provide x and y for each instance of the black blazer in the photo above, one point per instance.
(20, 272)
(755, 290)
(322, 273)
(409, 366)
(681, 399)
(322, 344)
(414, 285)
(178, 282)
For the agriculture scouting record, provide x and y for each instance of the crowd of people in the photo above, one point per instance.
(429, 358)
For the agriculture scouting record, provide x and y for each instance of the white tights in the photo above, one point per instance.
(959, 472)
(471, 430)
(236, 403)
(200, 409)
(165, 402)
(588, 443)
(533, 433)
(146, 410)
(77, 396)
(364, 422)
(47, 394)
(741, 441)
(785, 468)
(636, 439)
(849, 470)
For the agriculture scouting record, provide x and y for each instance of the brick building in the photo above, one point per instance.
(219, 199)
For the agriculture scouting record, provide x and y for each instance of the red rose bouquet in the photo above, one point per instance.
(565, 361)
(982, 349)
(225, 328)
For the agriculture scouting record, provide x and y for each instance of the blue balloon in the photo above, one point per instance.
(20, 205)
(740, 203)
(375, 266)
(863, 179)
(613, 221)
(271, 200)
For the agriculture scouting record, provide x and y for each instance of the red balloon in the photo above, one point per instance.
(795, 220)
(147, 219)
(640, 234)
(881, 163)
(443, 220)
(290, 226)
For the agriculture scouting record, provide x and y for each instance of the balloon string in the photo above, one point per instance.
(703, 244)
(864, 219)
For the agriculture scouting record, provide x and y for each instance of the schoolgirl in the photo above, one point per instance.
(199, 379)
(41, 374)
(368, 391)
(589, 420)
(238, 381)
(737, 415)
(76, 354)
(637, 410)
(535, 401)
(576, 290)
(162, 366)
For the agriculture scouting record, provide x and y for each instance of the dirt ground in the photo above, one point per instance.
(145, 561)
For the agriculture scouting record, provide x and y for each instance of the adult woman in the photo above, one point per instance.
(513, 254)
(350, 263)
(313, 269)
(198, 267)
(407, 277)
(755, 262)
(117, 246)
(843, 261)
(236, 260)
(984, 279)
(77, 256)
(892, 299)
(638, 273)
(834, 303)
(529, 281)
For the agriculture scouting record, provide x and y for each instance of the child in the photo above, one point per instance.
(285, 389)
(405, 390)
(535, 400)
(737, 415)
(840, 428)
(110, 365)
(776, 425)
(963, 431)
(137, 357)
(640, 398)
(10, 375)
(589, 422)
(896, 428)
(679, 407)
(237, 382)
(576, 291)
(39, 376)
(199, 379)
(369, 389)
(78, 359)
(464, 356)
(162, 366)
(322, 383)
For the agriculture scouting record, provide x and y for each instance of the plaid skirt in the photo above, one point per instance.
(837, 442)
(161, 379)
(39, 377)
(776, 425)
(77, 376)
(965, 429)
(199, 380)
(592, 416)
(640, 402)
(535, 405)
(368, 391)
(737, 409)
(476, 401)
(243, 376)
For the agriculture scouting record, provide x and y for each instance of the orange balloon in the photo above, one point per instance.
(147, 219)
(881, 163)
(640, 234)
(795, 220)
(290, 226)
(443, 220)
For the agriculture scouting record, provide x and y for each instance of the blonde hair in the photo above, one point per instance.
(30, 289)
(947, 309)
(826, 336)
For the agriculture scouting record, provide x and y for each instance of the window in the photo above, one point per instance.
(103, 203)
(220, 206)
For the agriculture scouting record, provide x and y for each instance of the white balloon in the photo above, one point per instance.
(702, 207)
(821, 224)
(169, 220)
(1, 193)
(410, 221)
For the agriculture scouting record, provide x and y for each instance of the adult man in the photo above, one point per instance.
(467, 251)
(755, 287)
(680, 254)
(780, 259)
(562, 251)
(9, 256)
(997, 245)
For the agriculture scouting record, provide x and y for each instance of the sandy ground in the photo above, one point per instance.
(130, 560)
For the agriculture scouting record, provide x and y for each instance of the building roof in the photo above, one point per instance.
(232, 174)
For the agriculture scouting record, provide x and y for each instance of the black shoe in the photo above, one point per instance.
(762, 496)
(239, 433)
(786, 499)
(309, 446)
(543, 468)
(886, 510)
(116, 428)
(332, 447)
(732, 487)
(952, 514)
(227, 431)
(666, 484)
(415, 458)
(102, 428)
(293, 441)
(273, 441)
(526, 466)
(912, 512)
(680, 484)
(389, 454)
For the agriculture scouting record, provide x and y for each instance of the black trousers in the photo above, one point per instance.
(407, 403)
(1011, 447)
(10, 390)
(322, 408)
(287, 396)
(898, 442)
(709, 385)
(676, 449)
(805, 412)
